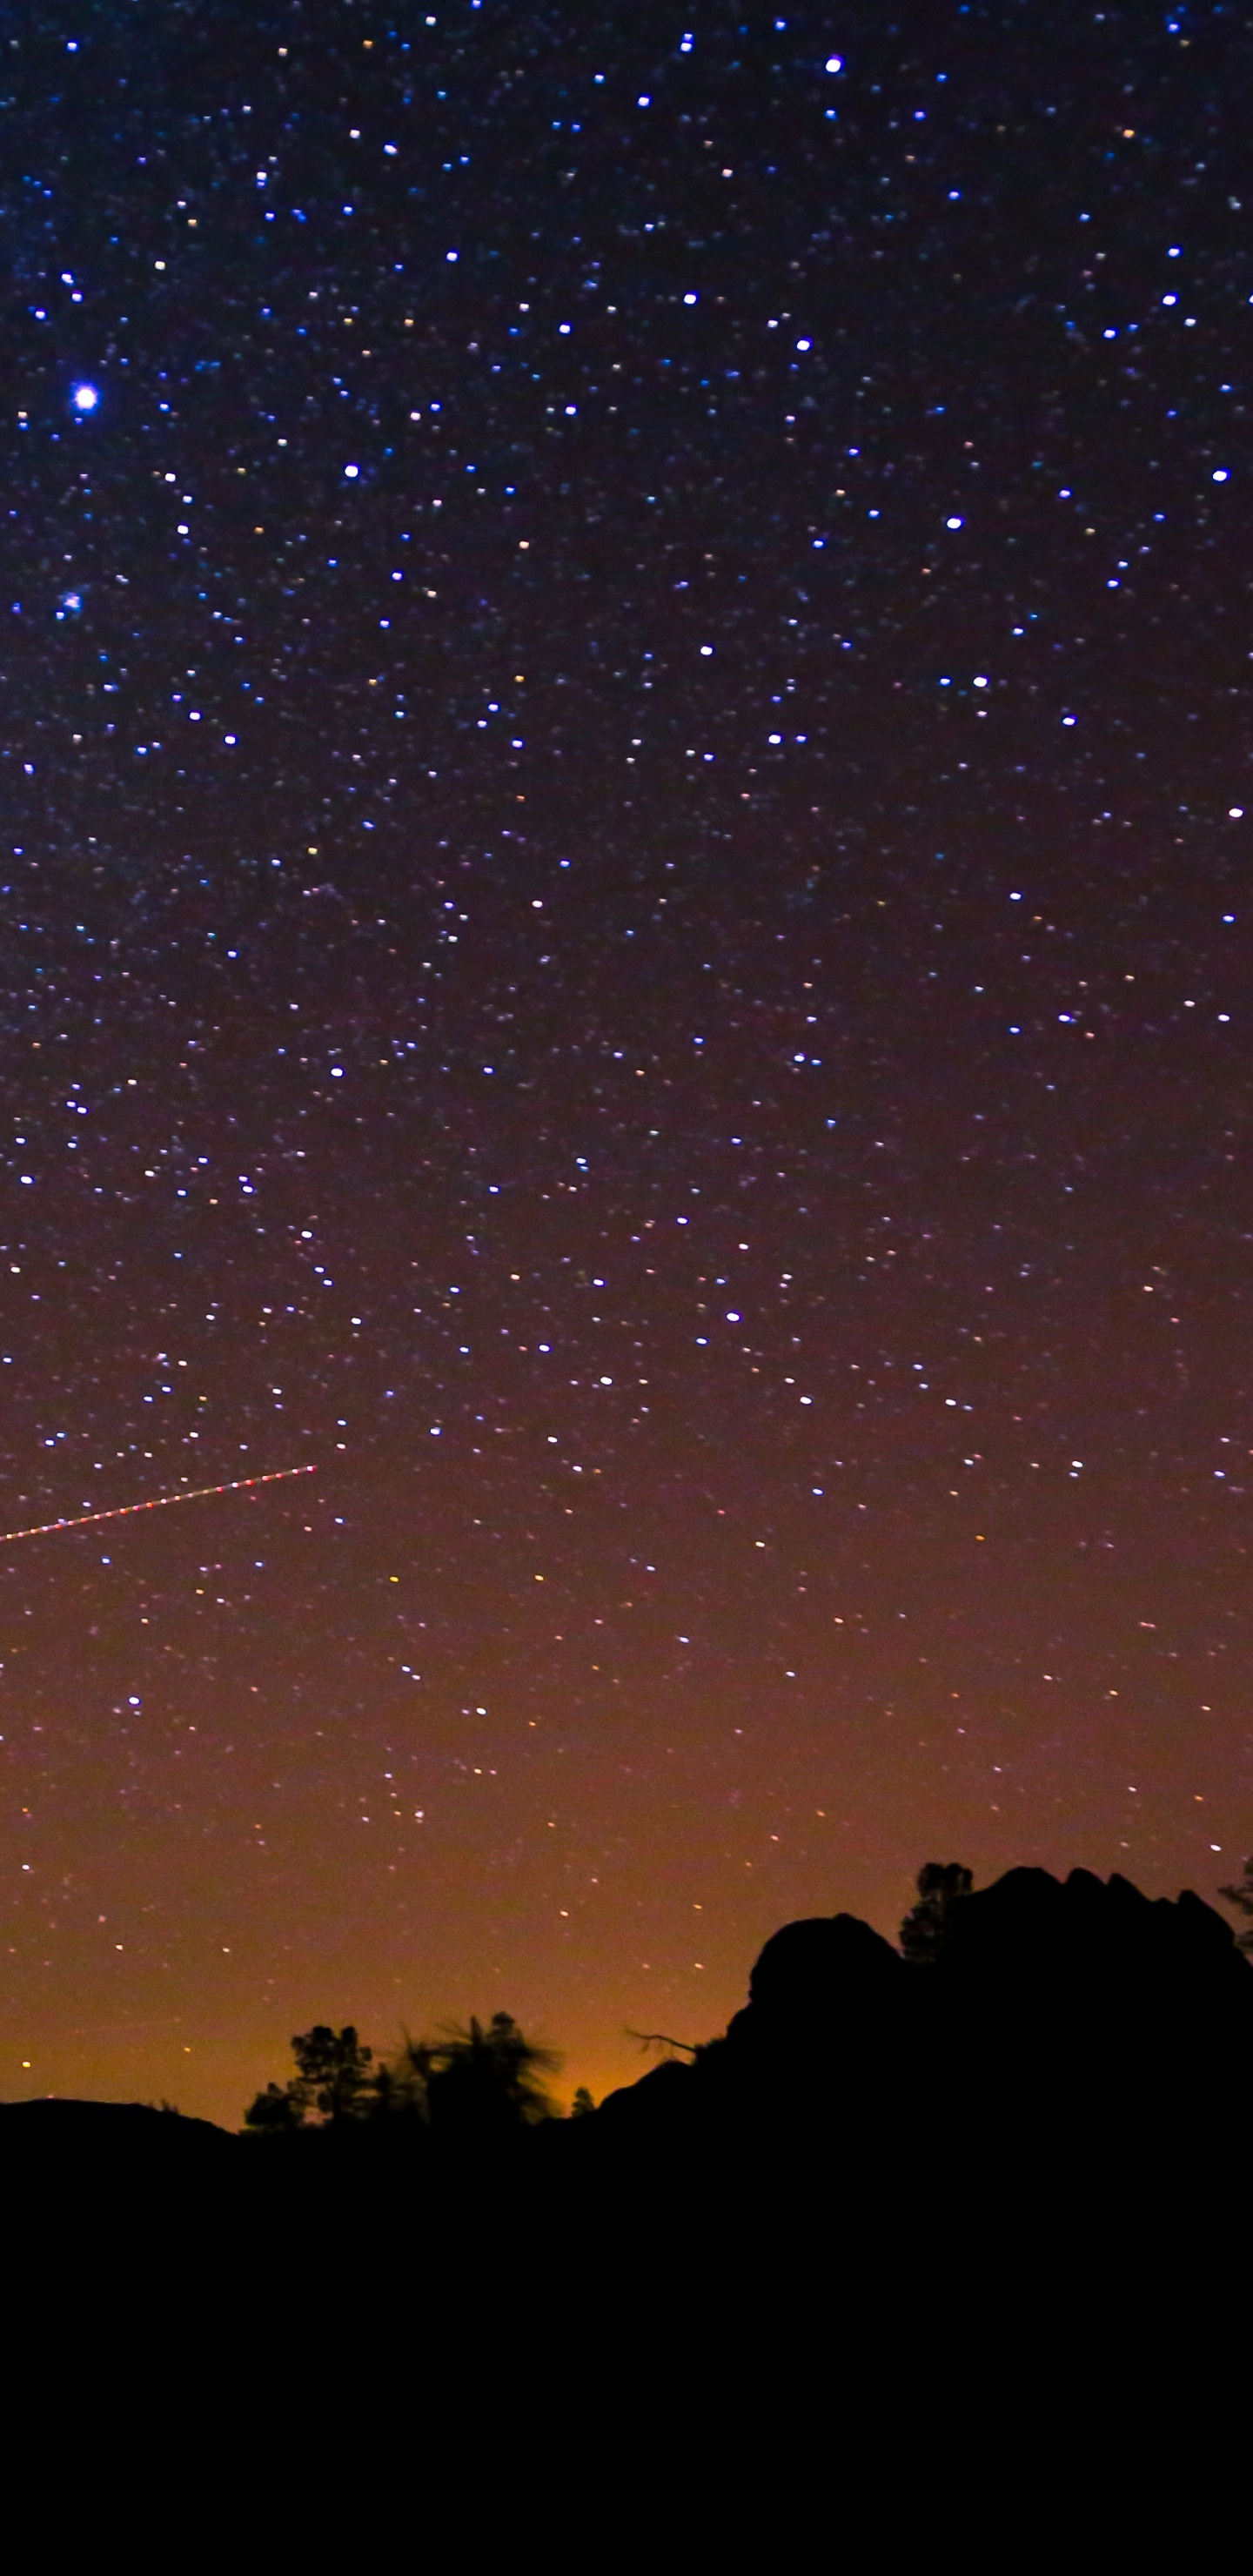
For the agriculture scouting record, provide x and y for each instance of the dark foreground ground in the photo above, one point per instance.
(939, 2218)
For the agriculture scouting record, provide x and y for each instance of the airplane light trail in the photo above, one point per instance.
(159, 1503)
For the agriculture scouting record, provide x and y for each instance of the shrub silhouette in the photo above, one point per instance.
(275, 2112)
(481, 2083)
(488, 2083)
(928, 1925)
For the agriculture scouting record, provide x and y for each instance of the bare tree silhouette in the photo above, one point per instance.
(662, 2039)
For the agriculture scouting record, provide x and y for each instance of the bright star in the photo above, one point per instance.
(86, 397)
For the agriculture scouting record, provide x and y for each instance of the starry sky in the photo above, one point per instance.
(623, 753)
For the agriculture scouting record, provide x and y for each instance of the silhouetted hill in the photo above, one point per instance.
(1054, 2109)
(132, 2138)
(1043, 1992)
(921, 2228)
(1055, 2092)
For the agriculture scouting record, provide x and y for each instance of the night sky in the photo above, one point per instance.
(624, 722)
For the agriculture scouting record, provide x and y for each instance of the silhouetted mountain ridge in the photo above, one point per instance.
(1077, 2007)
(1042, 1991)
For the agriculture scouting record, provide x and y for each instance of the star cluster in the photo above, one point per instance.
(525, 991)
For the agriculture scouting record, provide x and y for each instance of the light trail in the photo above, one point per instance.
(159, 1503)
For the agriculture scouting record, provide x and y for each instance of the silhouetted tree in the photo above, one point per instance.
(334, 2070)
(486, 2083)
(480, 2082)
(1240, 1894)
(927, 1926)
(275, 2111)
(581, 2104)
(662, 2039)
(391, 2095)
(332, 2078)
(401, 2082)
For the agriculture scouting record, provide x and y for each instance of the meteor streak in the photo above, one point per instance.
(159, 1503)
